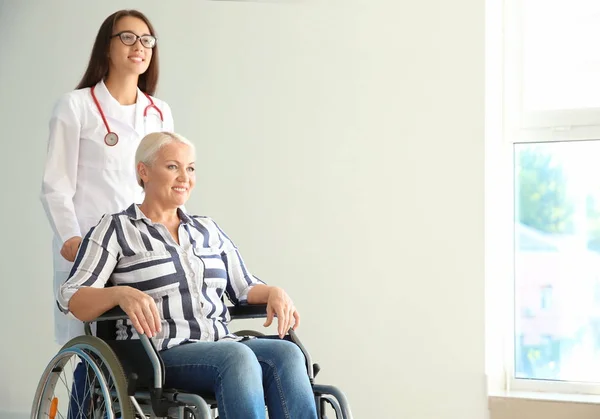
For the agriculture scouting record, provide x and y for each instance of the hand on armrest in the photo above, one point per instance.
(279, 304)
(90, 304)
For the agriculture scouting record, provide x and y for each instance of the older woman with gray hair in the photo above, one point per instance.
(171, 270)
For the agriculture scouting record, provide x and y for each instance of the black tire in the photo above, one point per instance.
(100, 361)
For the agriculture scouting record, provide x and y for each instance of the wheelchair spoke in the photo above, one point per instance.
(80, 383)
(77, 399)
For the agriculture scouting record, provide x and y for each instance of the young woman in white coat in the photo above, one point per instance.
(94, 132)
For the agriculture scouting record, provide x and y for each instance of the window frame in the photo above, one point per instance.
(535, 126)
(516, 127)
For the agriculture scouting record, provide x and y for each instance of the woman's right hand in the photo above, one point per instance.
(141, 309)
(70, 247)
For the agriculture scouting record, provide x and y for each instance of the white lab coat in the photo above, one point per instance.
(84, 178)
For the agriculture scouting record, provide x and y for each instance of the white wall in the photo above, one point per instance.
(341, 146)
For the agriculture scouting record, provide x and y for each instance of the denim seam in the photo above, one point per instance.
(224, 410)
(279, 388)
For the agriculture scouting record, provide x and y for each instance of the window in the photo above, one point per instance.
(546, 300)
(553, 63)
(560, 68)
(557, 260)
(551, 131)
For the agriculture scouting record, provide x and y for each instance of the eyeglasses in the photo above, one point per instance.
(129, 38)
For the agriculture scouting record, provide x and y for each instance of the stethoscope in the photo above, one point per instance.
(111, 138)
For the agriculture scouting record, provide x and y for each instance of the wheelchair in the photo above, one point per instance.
(124, 378)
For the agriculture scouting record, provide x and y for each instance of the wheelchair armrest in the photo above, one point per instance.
(115, 313)
(247, 311)
(134, 354)
(238, 311)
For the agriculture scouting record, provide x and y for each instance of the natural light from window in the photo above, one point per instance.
(551, 130)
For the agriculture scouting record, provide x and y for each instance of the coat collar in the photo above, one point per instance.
(112, 108)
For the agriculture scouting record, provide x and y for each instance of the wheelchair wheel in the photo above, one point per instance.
(84, 380)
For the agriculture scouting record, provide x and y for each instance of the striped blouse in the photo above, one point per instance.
(186, 280)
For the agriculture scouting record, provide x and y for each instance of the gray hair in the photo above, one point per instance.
(150, 146)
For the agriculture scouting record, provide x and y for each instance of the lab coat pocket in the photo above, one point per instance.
(92, 149)
(94, 152)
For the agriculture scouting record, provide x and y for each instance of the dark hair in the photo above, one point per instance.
(97, 68)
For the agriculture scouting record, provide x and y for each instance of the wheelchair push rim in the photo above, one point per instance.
(105, 388)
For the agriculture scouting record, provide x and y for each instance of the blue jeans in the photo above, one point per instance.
(244, 374)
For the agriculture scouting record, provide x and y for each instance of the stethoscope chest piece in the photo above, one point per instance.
(111, 139)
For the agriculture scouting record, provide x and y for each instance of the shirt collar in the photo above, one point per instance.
(185, 219)
(135, 214)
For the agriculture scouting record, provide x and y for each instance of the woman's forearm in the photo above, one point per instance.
(259, 294)
(88, 303)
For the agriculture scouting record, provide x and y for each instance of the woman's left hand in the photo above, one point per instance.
(281, 305)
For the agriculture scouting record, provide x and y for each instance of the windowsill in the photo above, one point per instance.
(547, 396)
(547, 405)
